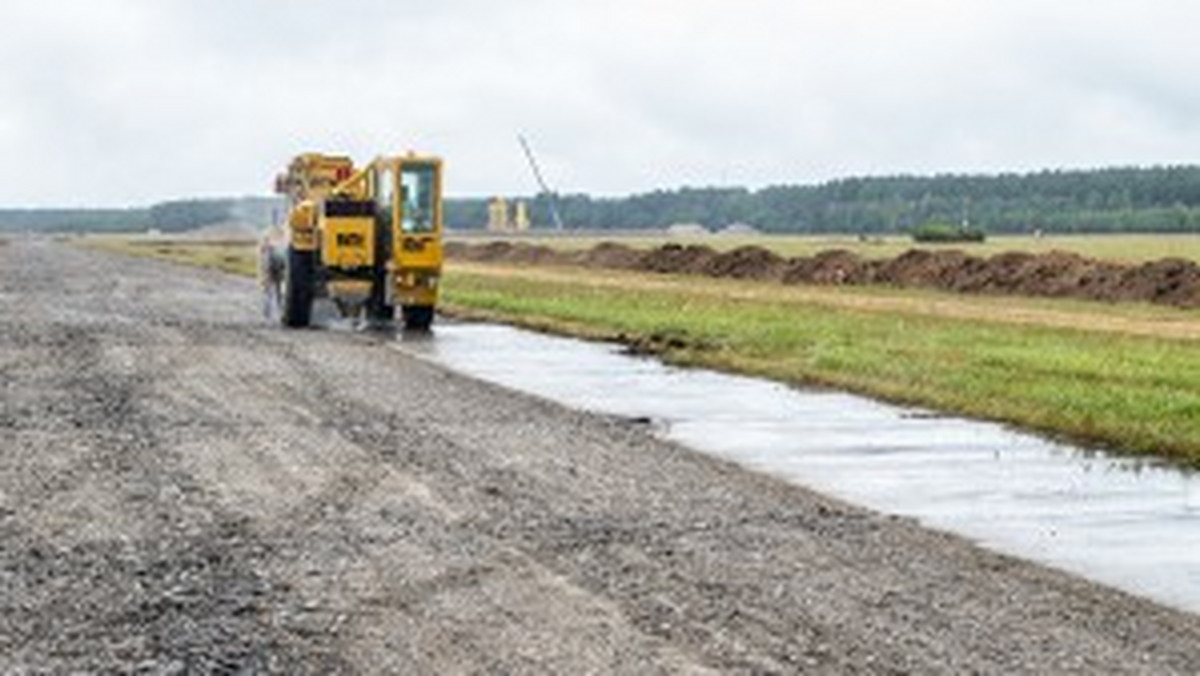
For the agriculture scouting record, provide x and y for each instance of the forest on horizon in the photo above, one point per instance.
(1155, 199)
(1151, 199)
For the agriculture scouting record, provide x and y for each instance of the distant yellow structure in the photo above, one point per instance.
(521, 218)
(497, 215)
(502, 219)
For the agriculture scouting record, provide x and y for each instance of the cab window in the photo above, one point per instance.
(418, 194)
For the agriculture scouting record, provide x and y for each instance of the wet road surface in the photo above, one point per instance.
(1120, 521)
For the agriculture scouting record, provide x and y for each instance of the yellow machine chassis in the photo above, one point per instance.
(379, 227)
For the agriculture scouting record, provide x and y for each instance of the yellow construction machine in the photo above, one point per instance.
(367, 238)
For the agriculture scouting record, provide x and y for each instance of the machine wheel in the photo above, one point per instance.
(383, 314)
(378, 309)
(417, 317)
(298, 284)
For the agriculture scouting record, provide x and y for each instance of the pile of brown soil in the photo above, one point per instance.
(677, 259)
(533, 253)
(746, 262)
(609, 255)
(919, 267)
(491, 251)
(1170, 281)
(1059, 274)
(836, 266)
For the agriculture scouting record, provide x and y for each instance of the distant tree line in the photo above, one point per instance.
(174, 216)
(1156, 199)
(190, 214)
(74, 220)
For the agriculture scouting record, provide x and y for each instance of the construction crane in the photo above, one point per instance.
(537, 175)
(367, 238)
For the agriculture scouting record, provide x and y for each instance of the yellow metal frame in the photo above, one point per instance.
(302, 227)
(417, 257)
(346, 241)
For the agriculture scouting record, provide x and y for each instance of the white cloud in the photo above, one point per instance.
(130, 101)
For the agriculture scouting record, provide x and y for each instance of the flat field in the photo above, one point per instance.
(1123, 376)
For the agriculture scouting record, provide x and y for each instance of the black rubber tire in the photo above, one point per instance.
(298, 285)
(381, 313)
(378, 309)
(417, 317)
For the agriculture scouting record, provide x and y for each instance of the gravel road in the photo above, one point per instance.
(186, 489)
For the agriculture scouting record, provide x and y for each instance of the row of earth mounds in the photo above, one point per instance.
(1059, 274)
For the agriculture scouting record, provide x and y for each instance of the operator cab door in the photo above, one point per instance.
(419, 213)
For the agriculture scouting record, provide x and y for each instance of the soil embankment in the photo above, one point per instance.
(1057, 274)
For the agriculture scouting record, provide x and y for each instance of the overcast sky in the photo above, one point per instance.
(115, 102)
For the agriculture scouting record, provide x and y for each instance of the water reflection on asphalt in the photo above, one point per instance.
(1126, 523)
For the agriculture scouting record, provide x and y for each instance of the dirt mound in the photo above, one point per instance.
(1000, 273)
(1171, 281)
(533, 253)
(486, 253)
(745, 262)
(609, 255)
(836, 266)
(922, 268)
(677, 259)
(1058, 274)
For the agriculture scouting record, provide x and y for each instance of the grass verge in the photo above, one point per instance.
(1121, 390)
(1100, 374)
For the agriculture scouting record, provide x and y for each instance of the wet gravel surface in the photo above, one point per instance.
(186, 489)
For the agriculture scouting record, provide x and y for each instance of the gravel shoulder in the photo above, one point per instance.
(185, 488)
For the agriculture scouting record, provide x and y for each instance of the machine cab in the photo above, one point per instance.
(409, 204)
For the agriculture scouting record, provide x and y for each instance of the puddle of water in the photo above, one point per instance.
(1113, 520)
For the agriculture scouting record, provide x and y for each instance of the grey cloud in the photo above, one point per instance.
(119, 101)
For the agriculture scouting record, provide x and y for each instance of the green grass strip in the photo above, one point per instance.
(1134, 394)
